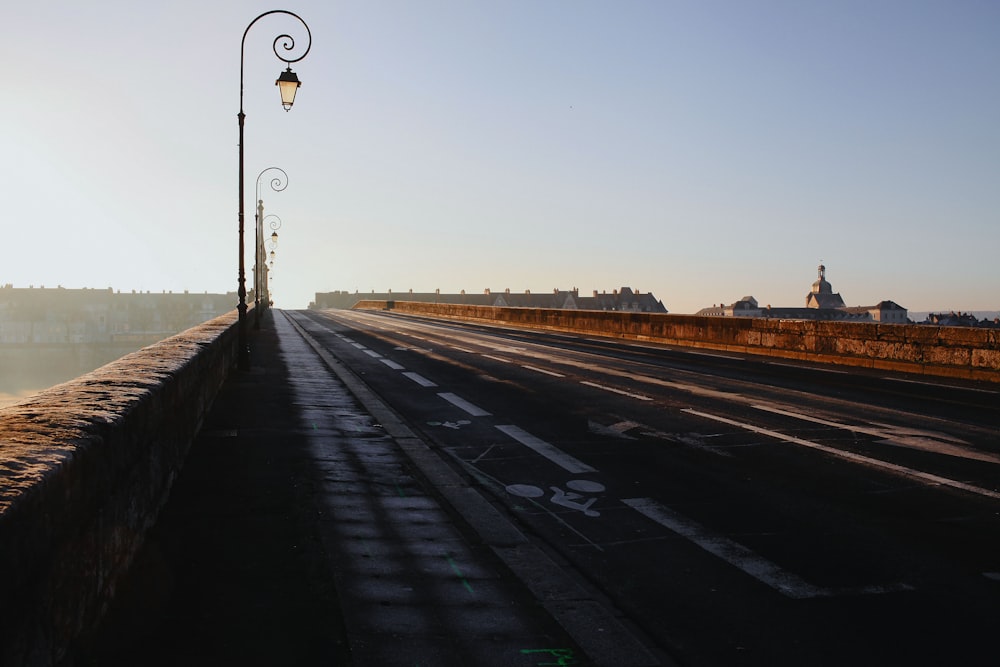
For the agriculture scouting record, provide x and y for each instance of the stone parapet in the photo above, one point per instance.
(957, 352)
(84, 469)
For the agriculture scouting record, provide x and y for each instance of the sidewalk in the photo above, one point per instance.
(300, 533)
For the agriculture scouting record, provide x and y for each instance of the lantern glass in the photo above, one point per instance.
(288, 84)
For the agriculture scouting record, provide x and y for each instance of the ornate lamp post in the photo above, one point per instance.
(288, 83)
(274, 222)
(278, 183)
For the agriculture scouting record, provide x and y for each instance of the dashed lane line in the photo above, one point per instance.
(613, 390)
(500, 359)
(420, 379)
(551, 452)
(542, 370)
(460, 402)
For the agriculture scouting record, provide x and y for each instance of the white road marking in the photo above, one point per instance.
(850, 456)
(927, 441)
(712, 354)
(808, 368)
(373, 354)
(939, 385)
(420, 379)
(548, 450)
(462, 349)
(542, 370)
(359, 346)
(617, 391)
(739, 556)
(490, 356)
(460, 402)
(392, 364)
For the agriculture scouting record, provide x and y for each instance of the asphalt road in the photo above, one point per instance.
(738, 511)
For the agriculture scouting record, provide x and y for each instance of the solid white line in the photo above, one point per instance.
(732, 552)
(462, 349)
(711, 354)
(490, 356)
(542, 370)
(850, 456)
(941, 444)
(457, 401)
(807, 368)
(549, 451)
(938, 385)
(373, 353)
(617, 391)
(739, 556)
(392, 364)
(420, 379)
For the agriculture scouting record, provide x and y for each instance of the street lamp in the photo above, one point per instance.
(278, 183)
(275, 224)
(287, 84)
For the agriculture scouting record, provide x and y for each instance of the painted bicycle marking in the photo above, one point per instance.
(453, 425)
(571, 498)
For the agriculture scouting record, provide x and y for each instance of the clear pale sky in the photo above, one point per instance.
(700, 150)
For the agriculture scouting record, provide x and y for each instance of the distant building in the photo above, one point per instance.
(625, 299)
(745, 307)
(822, 295)
(822, 303)
(960, 319)
(60, 315)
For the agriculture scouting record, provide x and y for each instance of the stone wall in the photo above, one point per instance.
(956, 352)
(84, 469)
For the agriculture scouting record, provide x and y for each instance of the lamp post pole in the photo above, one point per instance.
(278, 183)
(274, 222)
(288, 83)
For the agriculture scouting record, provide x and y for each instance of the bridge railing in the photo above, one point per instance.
(84, 469)
(957, 352)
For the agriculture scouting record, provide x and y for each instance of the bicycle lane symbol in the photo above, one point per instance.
(453, 425)
(575, 498)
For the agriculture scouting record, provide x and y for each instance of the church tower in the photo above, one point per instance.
(822, 294)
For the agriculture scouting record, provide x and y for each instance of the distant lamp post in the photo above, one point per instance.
(279, 182)
(275, 224)
(288, 83)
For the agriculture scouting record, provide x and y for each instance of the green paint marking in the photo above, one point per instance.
(562, 656)
(465, 582)
(399, 490)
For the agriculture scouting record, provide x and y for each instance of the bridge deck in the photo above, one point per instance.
(300, 533)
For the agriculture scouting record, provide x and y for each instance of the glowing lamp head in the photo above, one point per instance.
(288, 84)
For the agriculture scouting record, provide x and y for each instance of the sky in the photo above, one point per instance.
(701, 150)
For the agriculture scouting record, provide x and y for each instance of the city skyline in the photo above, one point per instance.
(698, 151)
